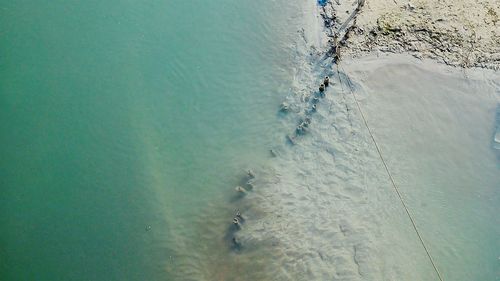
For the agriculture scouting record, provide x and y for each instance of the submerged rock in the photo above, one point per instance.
(250, 174)
(239, 216)
(236, 223)
(322, 88)
(240, 189)
(301, 129)
(249, 185)
(284, 107)
(236, 243)
(326, 81)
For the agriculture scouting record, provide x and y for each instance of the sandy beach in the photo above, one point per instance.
(462, 33)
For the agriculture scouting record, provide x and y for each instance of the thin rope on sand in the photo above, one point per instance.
(351, 88)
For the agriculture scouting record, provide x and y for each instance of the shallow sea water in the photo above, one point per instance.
(125, 123)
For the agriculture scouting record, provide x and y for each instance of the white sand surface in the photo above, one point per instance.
(436, 127)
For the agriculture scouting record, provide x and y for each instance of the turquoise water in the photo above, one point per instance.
(122, 120)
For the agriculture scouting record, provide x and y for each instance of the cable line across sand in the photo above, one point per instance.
(351, 88)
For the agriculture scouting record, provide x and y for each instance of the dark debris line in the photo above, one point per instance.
(338, 32)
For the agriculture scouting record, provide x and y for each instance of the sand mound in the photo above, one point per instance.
(460, 33)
